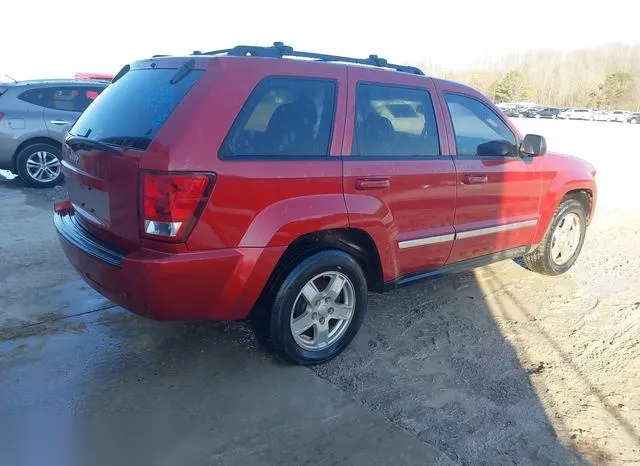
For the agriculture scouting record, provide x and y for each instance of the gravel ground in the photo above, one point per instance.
(494, 366)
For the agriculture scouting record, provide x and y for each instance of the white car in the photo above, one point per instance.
(601, 115)
(620, 116)
(577, 114)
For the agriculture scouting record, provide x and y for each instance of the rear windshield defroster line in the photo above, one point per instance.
(130, 111)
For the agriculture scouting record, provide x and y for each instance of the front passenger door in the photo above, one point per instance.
(498, 192)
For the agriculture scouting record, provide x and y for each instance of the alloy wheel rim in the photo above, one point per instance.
(565, 239)
(322, 311)
(43, 166)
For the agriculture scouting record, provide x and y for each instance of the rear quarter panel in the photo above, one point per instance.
(22, 121)
(255, 202)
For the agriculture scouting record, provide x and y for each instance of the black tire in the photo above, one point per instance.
(541, 260)
(23, 172)
(633, 121)
(272, 323)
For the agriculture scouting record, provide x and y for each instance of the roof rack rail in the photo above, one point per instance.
(280, 50)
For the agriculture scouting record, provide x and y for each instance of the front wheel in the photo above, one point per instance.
(317, 309)
(562, 242)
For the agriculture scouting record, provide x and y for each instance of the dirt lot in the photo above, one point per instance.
(494, 366)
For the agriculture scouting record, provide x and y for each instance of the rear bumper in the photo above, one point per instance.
(221, 284)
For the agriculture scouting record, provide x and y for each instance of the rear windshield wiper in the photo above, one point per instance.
(182, 72)
(130, 142)
(77, 142)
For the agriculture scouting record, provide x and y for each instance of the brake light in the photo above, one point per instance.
(172, 203)
(1, 115)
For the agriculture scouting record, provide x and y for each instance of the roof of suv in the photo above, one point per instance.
(280, 50)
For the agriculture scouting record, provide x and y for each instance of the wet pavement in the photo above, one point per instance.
(83, 382)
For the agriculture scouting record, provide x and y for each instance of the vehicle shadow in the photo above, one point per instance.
(434, 360)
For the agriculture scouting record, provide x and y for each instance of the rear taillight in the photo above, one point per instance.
(172, 203)
(1, 115)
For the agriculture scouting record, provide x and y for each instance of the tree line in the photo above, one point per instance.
(607, 77)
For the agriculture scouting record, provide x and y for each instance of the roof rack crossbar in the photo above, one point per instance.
(279, 50)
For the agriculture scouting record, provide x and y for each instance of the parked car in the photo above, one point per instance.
(282, 190)
(577, 114)
(601, 115)
(548, 112)
(34, 117)
(633, 118)
(531, 112)
(621, 116)
(505, 105)
(513, 112)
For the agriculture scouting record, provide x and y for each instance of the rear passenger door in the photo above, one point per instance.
(281, 171)
(64, 105)
(498, 191)
(398, 186)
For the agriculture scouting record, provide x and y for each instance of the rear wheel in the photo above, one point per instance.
(562, 242)
(38, 165)
(634, 121)
(317, 309)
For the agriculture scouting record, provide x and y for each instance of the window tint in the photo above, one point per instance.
(394, 121)
(35, 96)
(284, 117)
(130, 111)
(478, 129)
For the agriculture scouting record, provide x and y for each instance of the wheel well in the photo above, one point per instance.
(355, 242)
(584, 197)
(29, 142)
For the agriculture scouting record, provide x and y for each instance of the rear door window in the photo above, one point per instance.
(66, 98)
(394, 121)
(284, 117)
(73, 99)
(130, 111)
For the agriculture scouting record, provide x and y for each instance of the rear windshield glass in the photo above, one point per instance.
(130, 111)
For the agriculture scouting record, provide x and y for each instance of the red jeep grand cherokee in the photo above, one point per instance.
(248, 183)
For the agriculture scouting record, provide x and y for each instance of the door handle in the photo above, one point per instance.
(475, 179)
(60, 122)
(363, 184)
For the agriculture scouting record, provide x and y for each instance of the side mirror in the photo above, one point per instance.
(533, 145)
(497, 148)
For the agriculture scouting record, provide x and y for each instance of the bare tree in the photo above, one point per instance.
(561, 79)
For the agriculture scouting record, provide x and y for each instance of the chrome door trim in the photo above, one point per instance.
(412, 243)
(496, 229)
(427, 240)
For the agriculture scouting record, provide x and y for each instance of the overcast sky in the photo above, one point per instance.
(54, 38)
